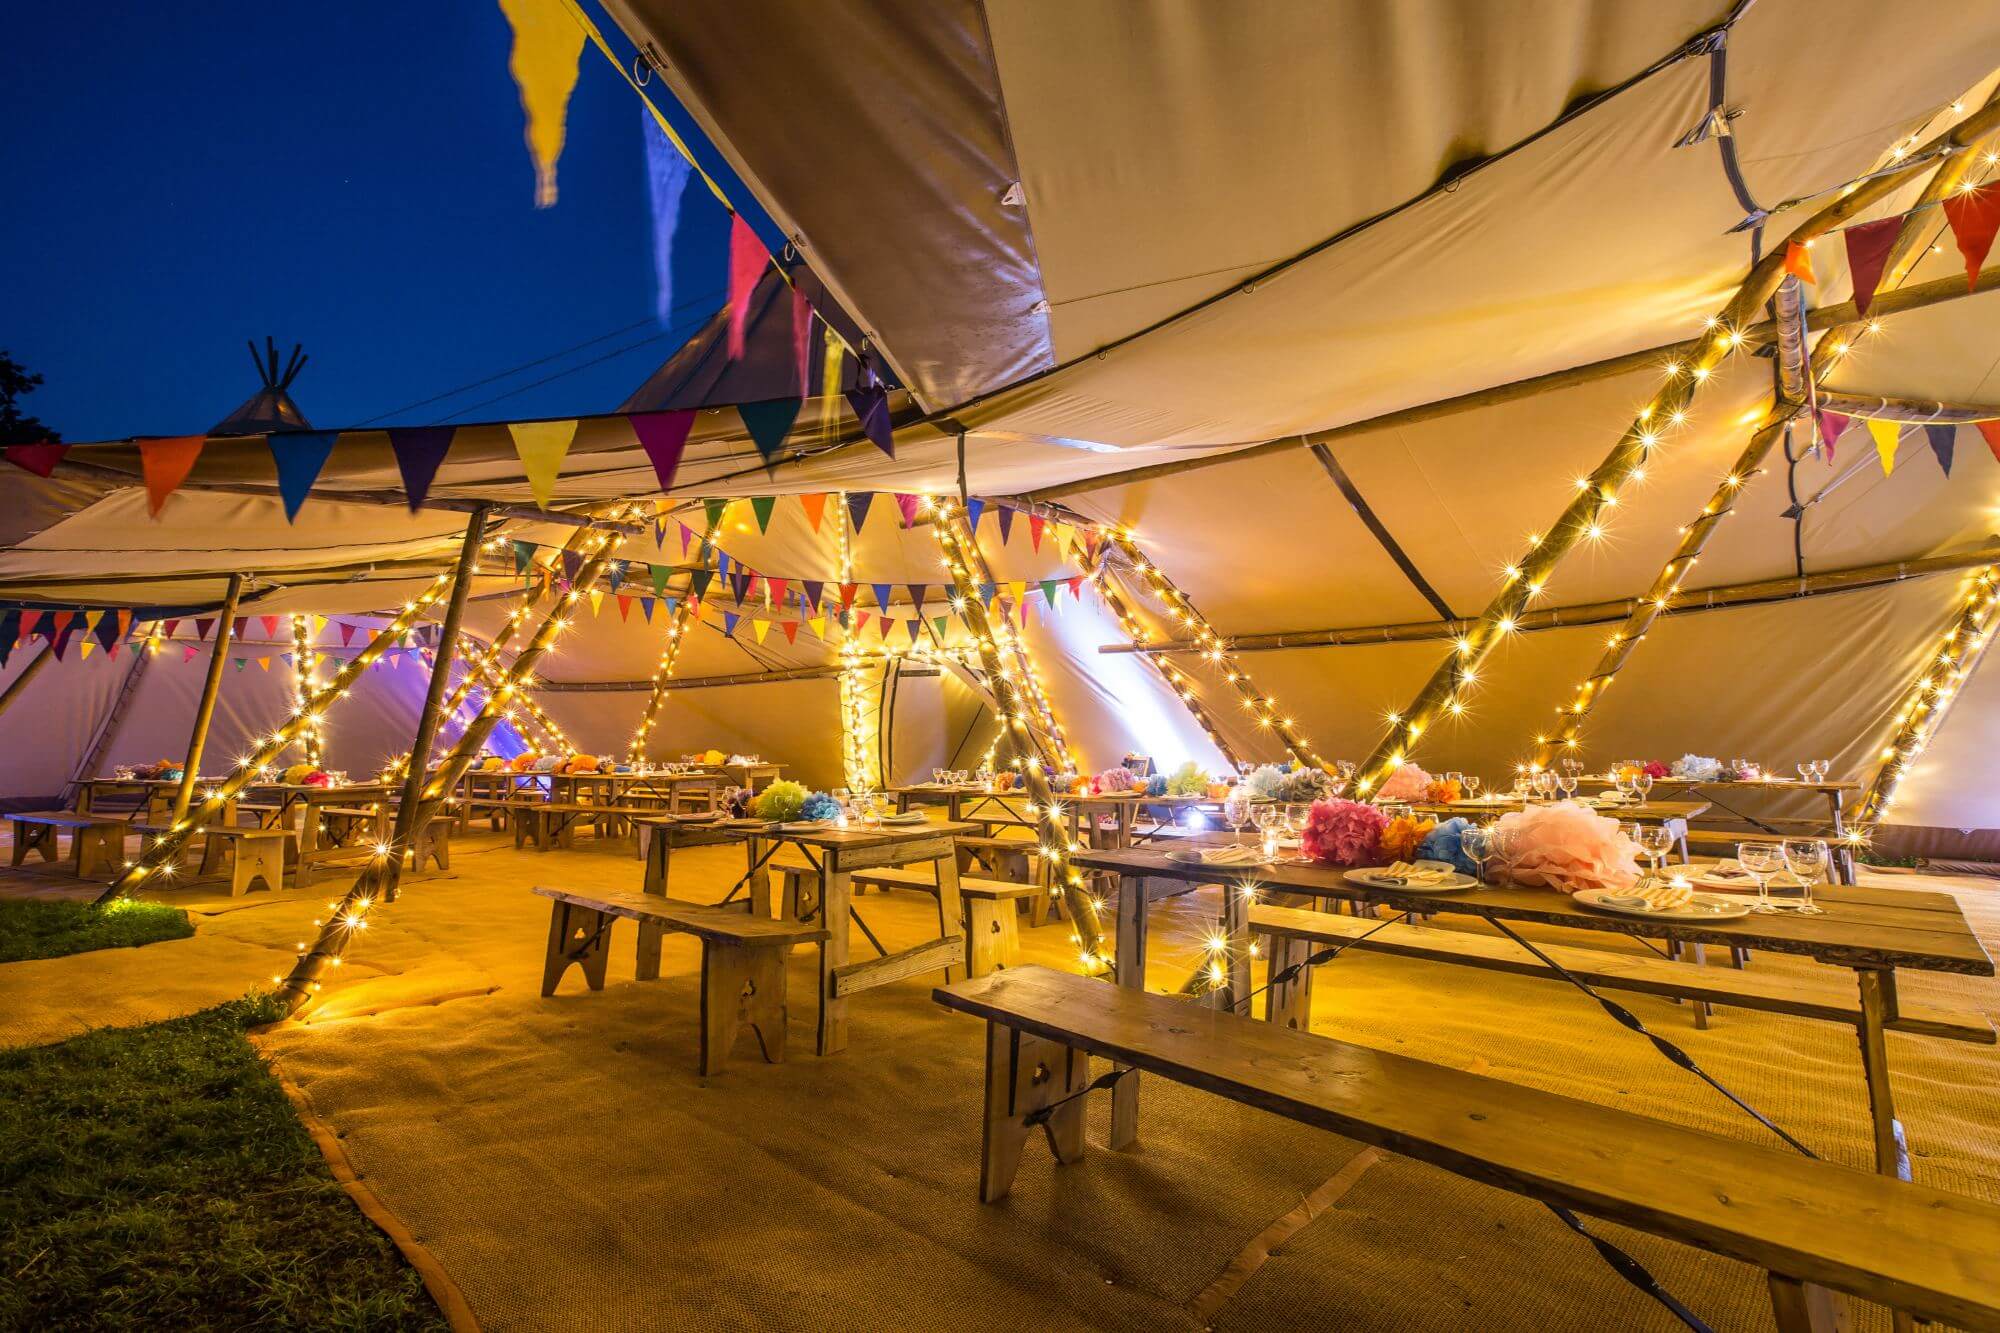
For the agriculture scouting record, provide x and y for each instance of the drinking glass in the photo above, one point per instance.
(1820, 767)
(1805, 768)
(1642, 784)
(1296, 815)
(1236, 811)
(1567, 781)
(1655, 840)
(1807, 859)
(1267, 818)
(1472, 784)
(1477, 844)
(1760, 860)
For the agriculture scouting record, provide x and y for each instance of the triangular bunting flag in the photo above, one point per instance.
(1017, 591)
(166, 464)
(815, 506)
(870, 402)
(263, 664)
(1798, 262)
(729, 624)
(541, 447)
(660, 574)
(1049, 587)
(624, 607)
(698, 582)
(239, 627)
(774, 590)
(346, 634)
(543, 62)
(596, 601)
(240, 662)
(818, 624)
(916, 628)
(1990, 432)
(769, 421)
(1868, 246)
(908, 504)
(663, 435)
(1942, 440)
(167, 627)
(813, 589)
(107, 630)
(299, 456)
(572, 564)
(203, 626)
(973, 509)
(419, 450)
(917, 593)
(791, 629)
(857, 509)
(687, 535)
(83, 649)
(886, 623)
(39, 458)
(188, 653)
(1006, 517)
(882, 591)
(939, 624)
(747, 261)
(860, 621)
(761, 506)
(1886, 434)
(524, 556)
(1832, 425)
(1076, 587)
(1035, 525)
(1974, 216)
(270, 624)
(760, 629)
(646, 608)
(713, 510)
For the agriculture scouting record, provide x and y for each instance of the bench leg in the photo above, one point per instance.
(581, 936)
(764, 1006)
(951, 924)
(834, 952)
(1129, 958)
(97, 851)
(657, 852)
(1805, 1307)
(257, 859)
(647, 966)
(1024, 1074)
(725, 973)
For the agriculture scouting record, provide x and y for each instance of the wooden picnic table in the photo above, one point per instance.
(1640, 812)
(840, 852)
(754, 776)
(1833, 793)
(301, 806)
(967, 801)
(619, 788)
(1875, 932)
(156, 796)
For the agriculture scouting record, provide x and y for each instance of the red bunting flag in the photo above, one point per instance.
(1868, 246)
(346, 633)
(166, 464)
(270, 624)
(747, 260)
(1974, 216)
(203, 625)
(1831, 426)
(1990, 432)
(1035, 525)
(791, 629)
(624, 607)
(1798, 263)
(40, 458)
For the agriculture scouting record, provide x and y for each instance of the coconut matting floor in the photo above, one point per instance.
(571, 1171)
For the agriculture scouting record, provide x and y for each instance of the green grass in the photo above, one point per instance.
(35, 928)
(157, 1177)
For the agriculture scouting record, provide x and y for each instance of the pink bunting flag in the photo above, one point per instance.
(663, 435)
(188, 652)
(909, 504)
(1831, 426)
(687, 535)
(1868, 246)
(270, 624)
(802, 332)
(346, 633)
(1975, 217)
(747, 259)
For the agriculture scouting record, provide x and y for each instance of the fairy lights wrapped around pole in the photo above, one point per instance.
(1215, 651)
(677, 627)
(858, 759)
(351, 913)
(1940, 680)
(1020, 744)
(159, 856)
(305, 683)
(1021, 672)
(1912, 241)
(1444, 693)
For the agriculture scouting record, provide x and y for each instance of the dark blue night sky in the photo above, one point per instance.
(351, 176)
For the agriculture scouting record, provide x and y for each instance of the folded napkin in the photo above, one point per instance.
(1231, 856)
(1658, 898)
(1415, 874)
(1727, 878)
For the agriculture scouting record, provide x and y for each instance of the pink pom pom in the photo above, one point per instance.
(1343, 833)
(1405, 784)
(1566, 847)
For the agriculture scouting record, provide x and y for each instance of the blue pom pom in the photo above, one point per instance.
(819, 806)
(1156, 785)
(1446, 843)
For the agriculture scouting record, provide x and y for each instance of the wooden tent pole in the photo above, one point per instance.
(981, 575)
(1940, 681)
(1590, 613)
(160, 854)
(1667, 407)
(677, 627)
(1912, 240)
(1028, 753)
(378, 879)
(1168, 672)
(211, 690)
(18, 686)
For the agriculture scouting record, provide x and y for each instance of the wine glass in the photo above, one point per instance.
(1472, 784)
(1655, 840)
(1567, 781)
(1236, 811)
(1820, 767)
(1807, 859)
(1477, 844)
(1266, 817)
(1642, 784)
(1296, 815)
(1760, 860)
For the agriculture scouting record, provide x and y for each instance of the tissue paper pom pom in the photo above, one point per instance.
(316, 778)
(1156, 785)
(1403, 835)
(1405, 784)
(1655, 769)
(1443, 790)
(1264, 783)
(820, 806)
(1343, 833)
(1566, 847)
(1303, 786)
(1188, 780)
(1116, 780)
(1698, 767)
(523, 762)
(736, 801)
(780, 801)
(1446, 842)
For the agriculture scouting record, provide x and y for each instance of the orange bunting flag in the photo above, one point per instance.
(1798, 262)
(791, 629)
(548, 41)
(1886, 434)
(166, 464)
(815, 507)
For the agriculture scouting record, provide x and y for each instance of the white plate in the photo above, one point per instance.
(1378, 878)
(1187, 856)
(1701, 907)
(912, 817)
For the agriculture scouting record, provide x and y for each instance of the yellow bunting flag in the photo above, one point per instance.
(596, 601)
(819, 627)
(1886, 433)
(1018, 591)
(85, 647)
(760, 628)
(548, 41)
(542, 445)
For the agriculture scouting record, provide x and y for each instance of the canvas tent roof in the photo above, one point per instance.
(1362, 208)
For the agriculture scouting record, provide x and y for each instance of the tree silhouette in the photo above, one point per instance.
(16, 383)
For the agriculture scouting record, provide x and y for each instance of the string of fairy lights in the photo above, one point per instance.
(677, 625)
(858, 758)
(305, 684)
(1938, 682)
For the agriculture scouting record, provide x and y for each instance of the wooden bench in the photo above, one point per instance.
(96, 843)
(1811, 1225)
(992, 931)
(353, 825)
(256, 854)
(742, 959)
(433, 843)
(263, 814)
(1291, 932)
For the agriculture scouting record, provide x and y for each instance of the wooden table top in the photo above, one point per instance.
(1861, 927)
(1645, 812)
(1753, 784)
(847, 839)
